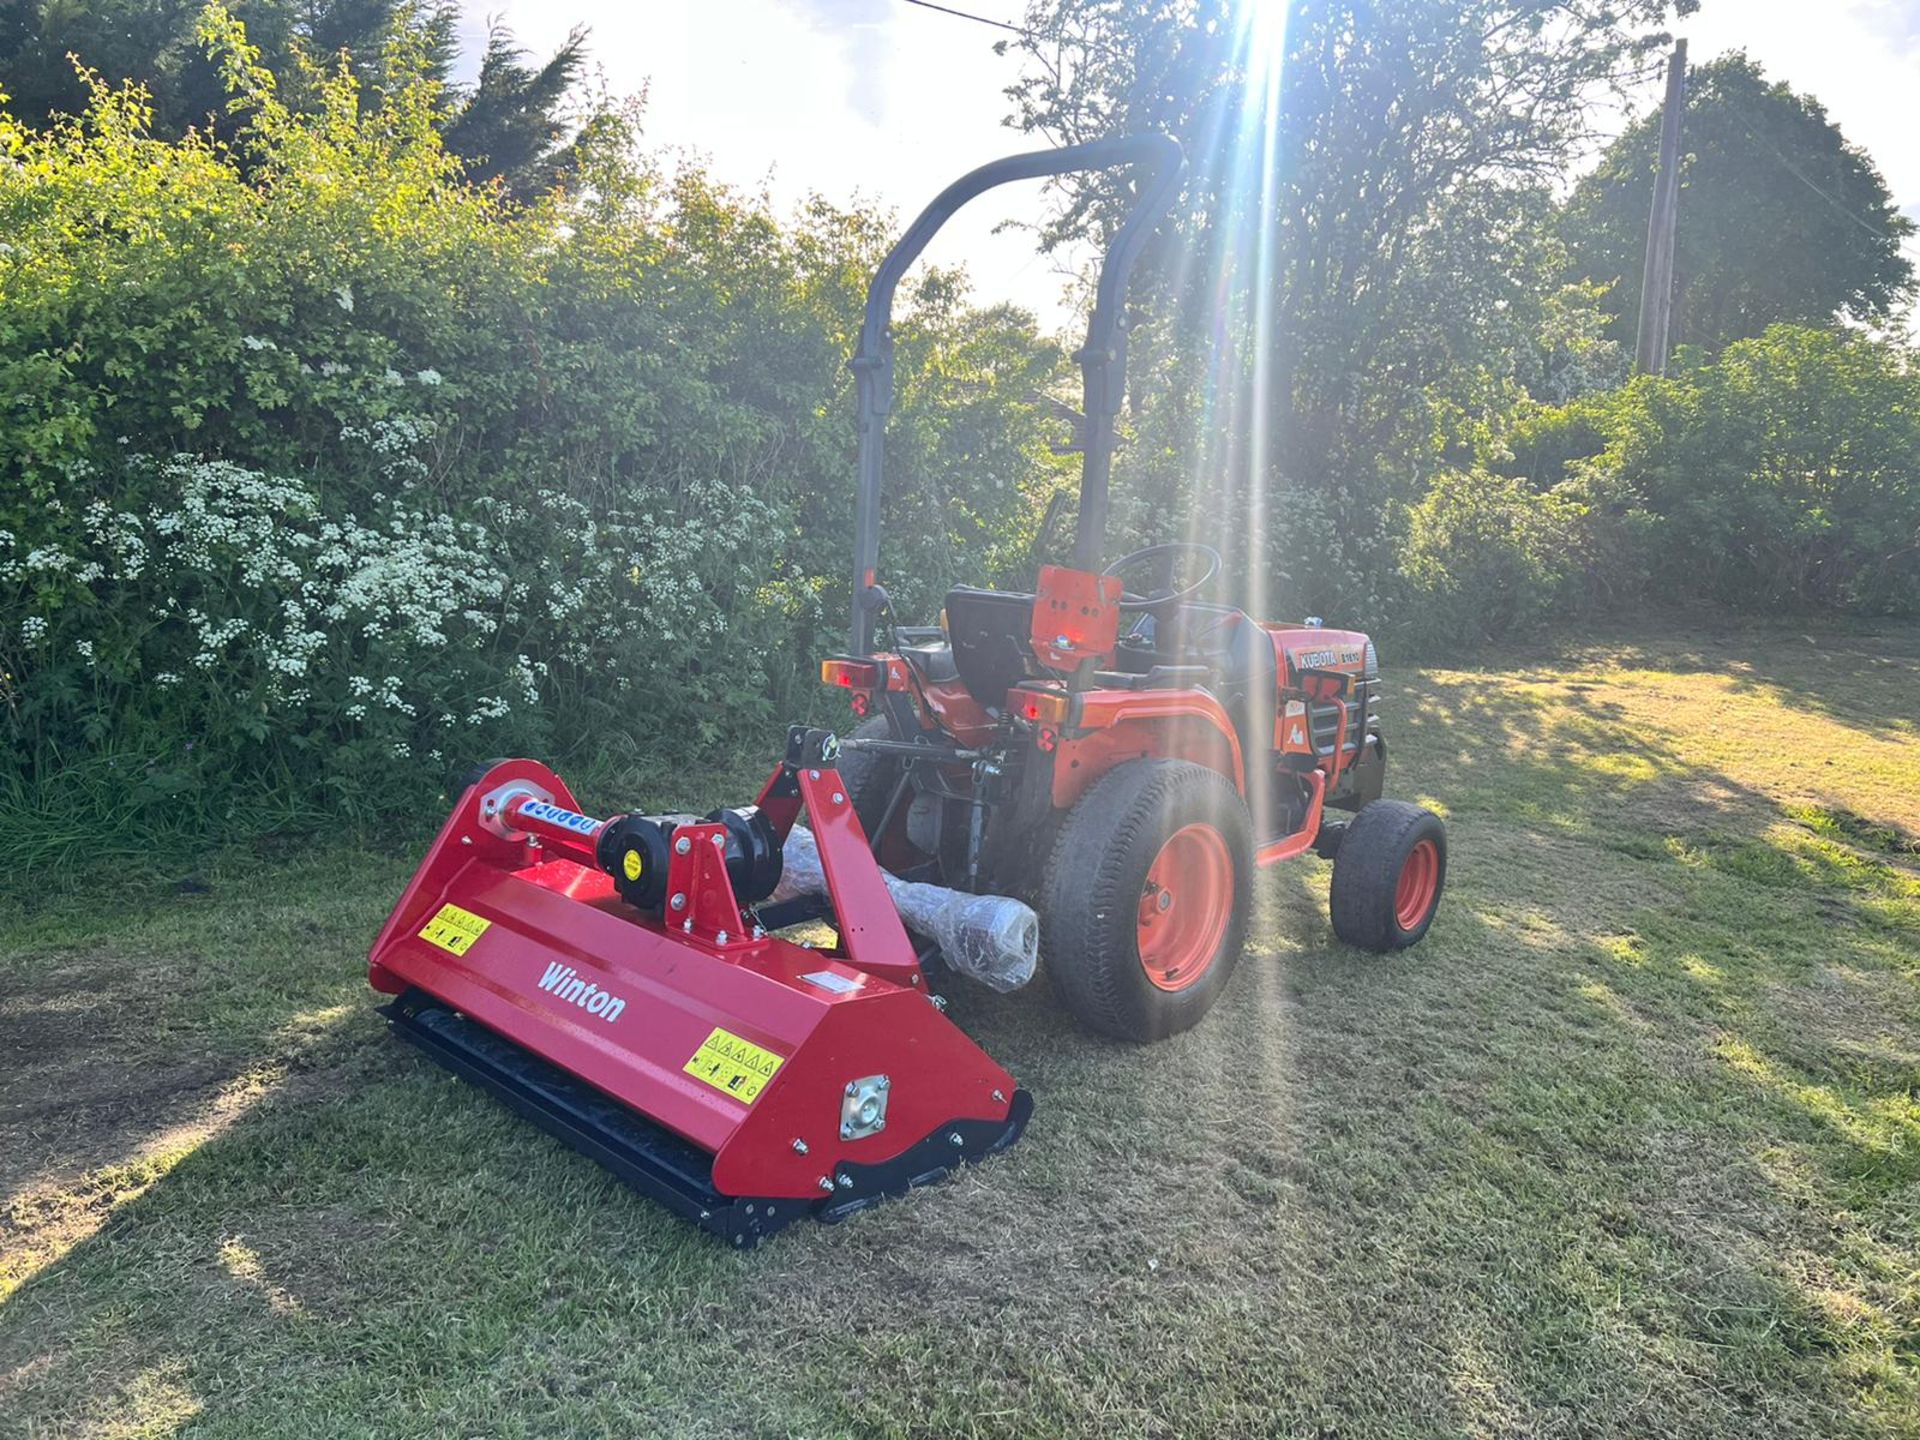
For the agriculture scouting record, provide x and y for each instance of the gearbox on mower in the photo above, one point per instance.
(1125, 758)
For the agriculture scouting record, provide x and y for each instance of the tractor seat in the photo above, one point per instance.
(932, 663)
(991, 632)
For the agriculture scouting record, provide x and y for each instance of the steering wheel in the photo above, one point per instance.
(1156, 601)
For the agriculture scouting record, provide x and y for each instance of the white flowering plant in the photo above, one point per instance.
(324, 472)
(234, 623)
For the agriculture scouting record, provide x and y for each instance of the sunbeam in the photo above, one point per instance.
(1238, 164)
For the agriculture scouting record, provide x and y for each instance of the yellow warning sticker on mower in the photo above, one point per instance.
(733, 1066)
(454, 930)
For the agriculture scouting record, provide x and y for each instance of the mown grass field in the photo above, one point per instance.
(1631, 1145)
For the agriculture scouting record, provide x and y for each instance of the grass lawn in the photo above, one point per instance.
(1630, 1146)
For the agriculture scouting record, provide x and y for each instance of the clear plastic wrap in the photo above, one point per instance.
(990, 938)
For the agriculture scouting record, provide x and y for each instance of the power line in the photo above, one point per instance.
(1794, 170)
(1019, 30)
(1091, 46)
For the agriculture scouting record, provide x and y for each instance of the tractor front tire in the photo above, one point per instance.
(1388, 875)
(1143, 907)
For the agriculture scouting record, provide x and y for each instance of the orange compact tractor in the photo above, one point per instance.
(1112, 746)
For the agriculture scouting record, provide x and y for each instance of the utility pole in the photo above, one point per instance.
(1656, 281)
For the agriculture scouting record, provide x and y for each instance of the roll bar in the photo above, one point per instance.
(1103, 360)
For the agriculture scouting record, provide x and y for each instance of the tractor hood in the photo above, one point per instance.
(1301, 648)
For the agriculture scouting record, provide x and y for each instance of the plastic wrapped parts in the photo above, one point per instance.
(989, 938)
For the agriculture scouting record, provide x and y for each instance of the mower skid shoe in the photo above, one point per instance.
(656, 1162)
(927, 1163)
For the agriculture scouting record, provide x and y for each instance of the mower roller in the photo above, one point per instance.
(1123, 759)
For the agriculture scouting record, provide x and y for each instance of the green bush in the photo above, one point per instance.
(323, 471)
(1783, 477)
(1488, 556)
(1545, 442)
(1787, 473)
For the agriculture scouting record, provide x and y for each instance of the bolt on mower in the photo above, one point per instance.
(1110, 748)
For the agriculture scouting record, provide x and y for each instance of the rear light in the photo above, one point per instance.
(851, 674)
(859, 703)
(1043, 707)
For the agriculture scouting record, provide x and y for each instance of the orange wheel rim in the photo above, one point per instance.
(1419, 882)
(1184, 907)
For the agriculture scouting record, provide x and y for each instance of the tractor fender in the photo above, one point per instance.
(1121, 725)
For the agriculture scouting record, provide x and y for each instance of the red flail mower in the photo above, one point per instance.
(1121, 759)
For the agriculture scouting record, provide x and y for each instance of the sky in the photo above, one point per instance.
(874, 98)
(888, 101)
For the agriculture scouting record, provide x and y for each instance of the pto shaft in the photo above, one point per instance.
(636, 850)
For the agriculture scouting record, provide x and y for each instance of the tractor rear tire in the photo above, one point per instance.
(1144, 903)
(869, 778)
(1388, 876)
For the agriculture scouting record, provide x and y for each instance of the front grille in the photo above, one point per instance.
(1326, 719)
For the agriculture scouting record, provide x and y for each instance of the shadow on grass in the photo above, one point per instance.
(1620, 1149)
(365, 1244)
(1866, 679)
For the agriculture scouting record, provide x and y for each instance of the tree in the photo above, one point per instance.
(507, 125)
(153, 42)
(1786, 472)
(1366, 240)
(1781, 219)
